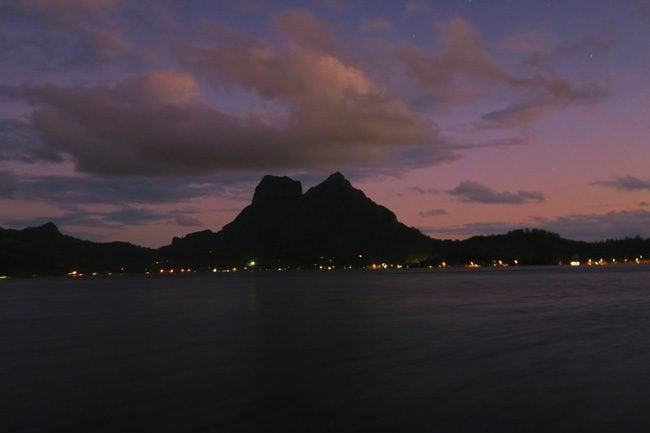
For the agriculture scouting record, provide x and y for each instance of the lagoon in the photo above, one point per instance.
(489, 350)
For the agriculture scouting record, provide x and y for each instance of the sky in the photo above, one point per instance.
(141, 121)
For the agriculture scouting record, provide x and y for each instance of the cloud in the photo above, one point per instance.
(625, 183)
(592, 227)
(158, 125)
(17, 140)
(129, 215)
(525, 137)
(58, 35)
(474, 192)
(375, 25)
(596, 43)
(302, 26)
(466, 70)
(586, 227)
(117, 190)
(424, 191)
(7, 185)
(64, 12)
(188, 221)
(465, 55)
(529, 42)
(417, 7)
(432, 213)
(471, 229)
(311, 108)
(542, 50)
(543, 95)
(117, 218)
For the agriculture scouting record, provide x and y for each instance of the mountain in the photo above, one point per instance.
(332, 223)
(45, 251)
(530, 247)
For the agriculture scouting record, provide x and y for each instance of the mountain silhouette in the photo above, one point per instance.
(44, 250)
(332, 223)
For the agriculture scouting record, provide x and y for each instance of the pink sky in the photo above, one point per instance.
(143, 122)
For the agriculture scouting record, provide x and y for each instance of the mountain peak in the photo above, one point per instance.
(336, 182)
(49, 228)
(336, 178)
(273, 190)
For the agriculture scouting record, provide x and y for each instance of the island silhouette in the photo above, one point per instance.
(331, 226)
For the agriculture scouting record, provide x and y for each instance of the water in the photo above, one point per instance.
(519, 350)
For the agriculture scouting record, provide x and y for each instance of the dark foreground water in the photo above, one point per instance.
(525, 350)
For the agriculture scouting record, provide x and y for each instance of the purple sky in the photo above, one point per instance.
(140, 121)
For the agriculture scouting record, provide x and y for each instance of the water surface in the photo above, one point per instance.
(518, 350)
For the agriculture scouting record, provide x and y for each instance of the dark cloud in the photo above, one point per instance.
(466, 71)
(543, 95)
(586, 227)
(188, 221)
(471, 229)
(543, 51)
(525, 137)
(137, 189)
(424, 191)
(474, 192)
(596, 43)
(322, 112)
(601, 226)
(625, 183)
(7, 185)
(130, 216)
(18, 140)
(124, 216)
(432, 213)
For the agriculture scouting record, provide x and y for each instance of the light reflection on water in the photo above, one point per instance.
(539, 349)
